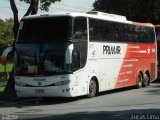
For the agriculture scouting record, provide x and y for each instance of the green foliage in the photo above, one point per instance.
(1, 21)
(8, 68)
(1, 89)
(6, 34)
(135, 10)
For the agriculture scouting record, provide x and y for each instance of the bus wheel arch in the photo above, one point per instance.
(93, 88)
(146, 79)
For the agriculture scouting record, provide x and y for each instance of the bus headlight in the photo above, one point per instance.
(20, 84)
(61, 83)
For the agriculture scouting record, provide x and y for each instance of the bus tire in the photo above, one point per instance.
(139, 80)
(92, 88)
(146, 80)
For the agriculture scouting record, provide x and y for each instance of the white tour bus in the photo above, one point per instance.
(75, 54)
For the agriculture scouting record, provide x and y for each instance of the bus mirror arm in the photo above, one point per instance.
(5, 55)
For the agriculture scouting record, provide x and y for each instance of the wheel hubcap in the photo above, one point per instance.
(140, 80)
(146, 79)
(92, 87)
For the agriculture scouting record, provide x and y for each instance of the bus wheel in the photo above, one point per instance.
(146, 80)
(92, 88)
(139, 80)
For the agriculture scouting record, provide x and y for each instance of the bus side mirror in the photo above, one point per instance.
(68, 55)
(5, 55)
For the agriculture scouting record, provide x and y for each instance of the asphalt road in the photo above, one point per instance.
(123, 104)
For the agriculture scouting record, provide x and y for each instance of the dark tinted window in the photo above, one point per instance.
(80, 28)
(94, 30)
(80, 42)
(44, 29)
(130, 33)
(119, 32)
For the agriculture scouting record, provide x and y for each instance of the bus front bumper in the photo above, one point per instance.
(54, 91)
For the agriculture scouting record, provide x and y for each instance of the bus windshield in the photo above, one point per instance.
(38, 59)
(41, 45)
(45, 29)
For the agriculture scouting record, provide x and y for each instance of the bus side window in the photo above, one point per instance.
(94, 30)
(80, 30)
(80, 43)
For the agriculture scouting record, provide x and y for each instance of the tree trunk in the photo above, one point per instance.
(28, 11)
(9, 91)
(33, 8)
(34, 5)
(16, 20)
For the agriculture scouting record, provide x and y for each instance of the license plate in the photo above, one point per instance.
(39, 91)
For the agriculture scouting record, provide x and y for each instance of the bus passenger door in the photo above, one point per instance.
(102, 76)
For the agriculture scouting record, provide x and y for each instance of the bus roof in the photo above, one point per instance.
(91, 14)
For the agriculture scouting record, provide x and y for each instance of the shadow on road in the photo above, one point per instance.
(22, 102)
(156, 88)
(157, 81)
(135, 114)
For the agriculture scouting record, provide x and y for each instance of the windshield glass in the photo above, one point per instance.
(38, 59)
(49, 29)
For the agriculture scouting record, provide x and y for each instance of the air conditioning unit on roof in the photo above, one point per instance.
(112, 16)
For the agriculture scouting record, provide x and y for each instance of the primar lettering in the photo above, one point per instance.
(110, 50)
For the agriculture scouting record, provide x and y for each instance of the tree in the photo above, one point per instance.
(134, 10)
(1, 21)
(6, 34)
